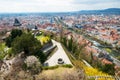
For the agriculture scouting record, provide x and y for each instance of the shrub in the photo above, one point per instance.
(54, 67)
(108, 68)
(67, 66)
(51, 67)
(92, 79)
(24, 66)
(108, 50)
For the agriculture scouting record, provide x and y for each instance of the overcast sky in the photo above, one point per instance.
(55, 5)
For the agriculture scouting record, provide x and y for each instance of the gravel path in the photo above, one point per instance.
(60, 53)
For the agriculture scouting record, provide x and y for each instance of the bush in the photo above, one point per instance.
(24, 66)
(108, 68)
(51, 67)
(92, 79)
(108, 50)
(41, 56)
(67, 66)
(118, 57)
(54, 67)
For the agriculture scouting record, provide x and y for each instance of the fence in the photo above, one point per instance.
(104, 77)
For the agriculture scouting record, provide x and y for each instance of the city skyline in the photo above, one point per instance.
(16, 6)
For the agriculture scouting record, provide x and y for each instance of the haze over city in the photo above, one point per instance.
(16, 6)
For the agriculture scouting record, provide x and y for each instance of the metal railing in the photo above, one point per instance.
(104, 77)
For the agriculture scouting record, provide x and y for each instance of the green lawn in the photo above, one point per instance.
(39, 37)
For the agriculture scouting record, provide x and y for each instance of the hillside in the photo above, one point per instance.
(105, 11)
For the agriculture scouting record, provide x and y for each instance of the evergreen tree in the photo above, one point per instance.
(108, 68)
(26, 43)
(13, 35)
(70, 44)
(65, 41)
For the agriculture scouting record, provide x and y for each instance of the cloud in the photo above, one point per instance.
(95, 4)
(35, 5)
(93, 1)
(55, 5)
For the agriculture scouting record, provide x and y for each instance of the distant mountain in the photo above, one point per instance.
(115, 11)
(105, 11)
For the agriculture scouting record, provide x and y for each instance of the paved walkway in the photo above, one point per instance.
(60, 53)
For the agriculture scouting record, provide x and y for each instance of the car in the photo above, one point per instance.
(60, 61)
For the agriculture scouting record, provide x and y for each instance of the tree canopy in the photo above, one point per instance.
(27, 43)
(108, 68)
(13, 35)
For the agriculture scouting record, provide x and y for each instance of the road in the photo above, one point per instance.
(117, 62)
(60, 53)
